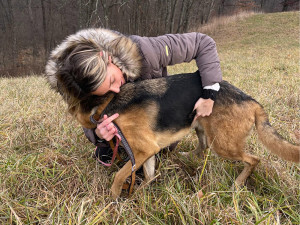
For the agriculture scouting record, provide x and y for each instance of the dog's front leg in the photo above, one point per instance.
(149, 168)
(125, 172)
(119, 180)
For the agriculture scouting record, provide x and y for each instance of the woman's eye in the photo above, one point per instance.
(111, 81)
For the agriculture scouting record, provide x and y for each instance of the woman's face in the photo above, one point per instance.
(113, 81)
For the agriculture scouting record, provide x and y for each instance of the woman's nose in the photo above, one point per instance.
(115, 89)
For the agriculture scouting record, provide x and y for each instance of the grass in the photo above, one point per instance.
(47, 174)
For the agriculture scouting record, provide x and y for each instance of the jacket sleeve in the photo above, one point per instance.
(172, 49)
(91, 136)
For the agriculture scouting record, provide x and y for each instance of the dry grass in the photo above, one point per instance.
(212, 28)
(47, 174)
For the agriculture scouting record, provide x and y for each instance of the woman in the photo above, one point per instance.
(96, 61)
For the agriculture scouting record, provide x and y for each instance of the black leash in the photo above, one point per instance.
(127, 147)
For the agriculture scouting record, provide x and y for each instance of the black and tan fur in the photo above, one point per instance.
(156, 113)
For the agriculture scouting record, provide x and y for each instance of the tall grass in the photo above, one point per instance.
(213, 27)
(47, 174)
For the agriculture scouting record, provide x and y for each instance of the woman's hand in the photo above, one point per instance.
(106, 130)
(203, 107)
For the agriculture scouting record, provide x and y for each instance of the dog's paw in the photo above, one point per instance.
(115, 192)
(237, 186)
(194, 154)
(115, 195)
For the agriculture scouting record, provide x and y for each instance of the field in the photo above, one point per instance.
(48, 175)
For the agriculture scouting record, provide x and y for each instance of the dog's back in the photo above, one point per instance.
(173, 97)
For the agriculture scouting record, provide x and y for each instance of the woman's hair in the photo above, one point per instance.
(81, 72)
(78, 65)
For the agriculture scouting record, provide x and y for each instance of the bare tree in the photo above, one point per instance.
(172, 19)
(33, 31)
(45, 31)
(185, 15)
(289, 3)
(210, 7)
(10, 34)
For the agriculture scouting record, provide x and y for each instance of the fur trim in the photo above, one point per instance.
(125, 53)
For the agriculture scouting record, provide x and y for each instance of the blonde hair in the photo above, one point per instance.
(81, 73)
(78, 66)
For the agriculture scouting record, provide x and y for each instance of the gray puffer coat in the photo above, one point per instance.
(170, 49)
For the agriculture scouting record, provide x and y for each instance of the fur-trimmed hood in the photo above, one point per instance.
(125, 53)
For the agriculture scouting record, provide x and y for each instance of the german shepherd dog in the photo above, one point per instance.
(155, 113)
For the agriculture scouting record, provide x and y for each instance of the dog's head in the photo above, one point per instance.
(92, 106)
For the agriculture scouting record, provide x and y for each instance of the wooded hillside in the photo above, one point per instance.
(31, 28)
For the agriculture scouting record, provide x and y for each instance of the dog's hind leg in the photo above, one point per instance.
(233, 148)
(234, 151)
(250, 162)
(202, 143)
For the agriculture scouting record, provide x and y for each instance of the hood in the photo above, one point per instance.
(125, 53)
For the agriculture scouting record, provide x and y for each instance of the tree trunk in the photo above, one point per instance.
(181, 17)
(172, 20)
(34, 32)
(12, 40)
(45, 32)
(210, 8)
(285, 5)
(167, 15)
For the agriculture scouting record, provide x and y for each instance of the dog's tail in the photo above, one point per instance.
(272, 140)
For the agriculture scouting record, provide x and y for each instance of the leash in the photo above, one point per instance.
(119, 137)
(126, 147)
(115, 152)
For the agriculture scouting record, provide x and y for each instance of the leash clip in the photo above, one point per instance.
(133, 168)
